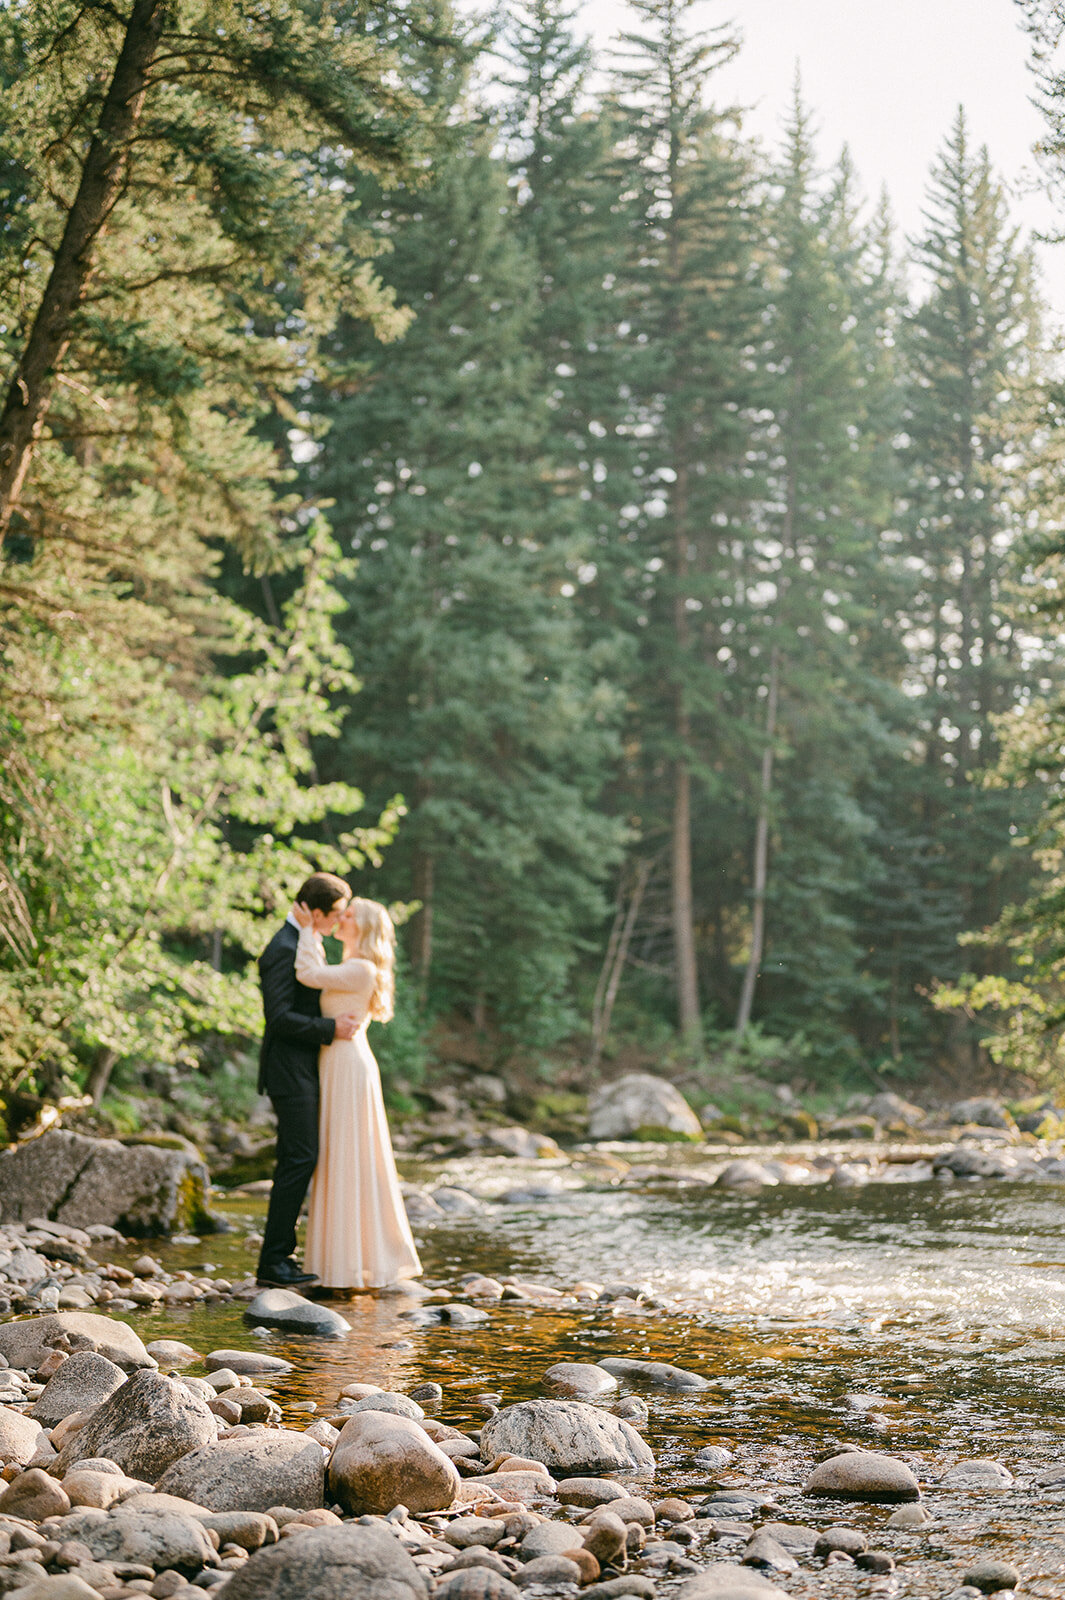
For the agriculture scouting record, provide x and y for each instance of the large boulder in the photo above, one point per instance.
(84, 1380)
(639, 1106)
(381, 1461)
(152, 1538)
(252, 1472)
(144, 1426)
(25, 1343)
(569, 1437)
(284, 1308)
(140, 1189)
(352, 1562)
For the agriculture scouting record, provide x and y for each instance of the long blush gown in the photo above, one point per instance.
(358, 1236)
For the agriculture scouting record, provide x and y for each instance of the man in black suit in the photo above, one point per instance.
(288, 1073)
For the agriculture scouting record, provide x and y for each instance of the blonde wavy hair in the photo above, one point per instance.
(375, 941)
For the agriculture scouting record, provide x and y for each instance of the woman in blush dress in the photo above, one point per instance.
(358, 1236)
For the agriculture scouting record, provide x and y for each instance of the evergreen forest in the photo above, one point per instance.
(434, 453)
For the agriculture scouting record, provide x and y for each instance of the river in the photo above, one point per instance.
(920, 1318)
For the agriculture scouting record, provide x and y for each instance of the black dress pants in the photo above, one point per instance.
(297, 1157)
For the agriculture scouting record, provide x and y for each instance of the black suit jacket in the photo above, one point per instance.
(295, 1028)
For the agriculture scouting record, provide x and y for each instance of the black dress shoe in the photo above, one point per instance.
(284, 1275)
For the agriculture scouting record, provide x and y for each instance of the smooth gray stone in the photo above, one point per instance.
(284, 1308)
(660, 1373)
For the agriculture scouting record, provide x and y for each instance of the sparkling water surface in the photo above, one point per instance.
(923, 1319)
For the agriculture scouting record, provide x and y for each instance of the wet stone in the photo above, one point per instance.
(862, 1475)
(988, 1576)
(659, 1373)
(912, 1516)
(588, 1492)
(850, 1540)
(977, 1474)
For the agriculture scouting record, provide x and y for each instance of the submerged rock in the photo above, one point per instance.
(983, 1111)
(660, 1373)
(641, 1106)
(568, 1436)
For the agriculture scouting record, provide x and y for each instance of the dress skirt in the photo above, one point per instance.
(358, 1236)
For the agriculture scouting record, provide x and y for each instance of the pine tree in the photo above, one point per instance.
(690, 309)
(479, 704)
(971, 349)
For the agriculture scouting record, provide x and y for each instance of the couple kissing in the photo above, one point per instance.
(317, 1067)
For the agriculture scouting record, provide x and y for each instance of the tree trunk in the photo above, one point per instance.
(421, 949)
(761, 854)
(100, 1074)
(26, 404)
(687, 978)
(614, 965)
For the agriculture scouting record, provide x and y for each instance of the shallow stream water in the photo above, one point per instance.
(923, 1319)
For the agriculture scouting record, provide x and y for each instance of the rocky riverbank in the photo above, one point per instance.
(133, 1469)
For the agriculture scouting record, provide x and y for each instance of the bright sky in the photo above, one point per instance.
(886, 77)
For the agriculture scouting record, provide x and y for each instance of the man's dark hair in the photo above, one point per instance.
(321, 891)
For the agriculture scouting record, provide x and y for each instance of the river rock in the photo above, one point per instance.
(245, 1363)
(640, 1106)
(889, 1108)
(746, 1174)
(549, 1539)
(521, 1142)
(249, 1529)
(983, 1111)
(251, 1472)
(977, 1474)
(712, 1456)
(547, 1574)
(862, 1475)
(139, 1189)
(720, 1581)
(583, 1380)
(284, 1308)
(25, 1343)
(466, 1532)
(765, 1551)
(852, 1541)
(19, 1437)
(84, 1380)
(172, 1353)
(588, 1492)
(63, 1586)
(396, 1405)
(660, 1373)
(568, 1436)
(34, 1495)
(911, 1516)
(97, 1490)
(156, 1539)
(381, 1461)
(965, 1161)
(989, 1576)
(476, 1583)
(144, 1426)
(630, 1508)
(350, 1562)
(518, 1486)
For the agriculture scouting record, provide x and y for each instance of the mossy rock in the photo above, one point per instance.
(649, 1134)
(247, 1169)
(799, 1125)
(728, 1124)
